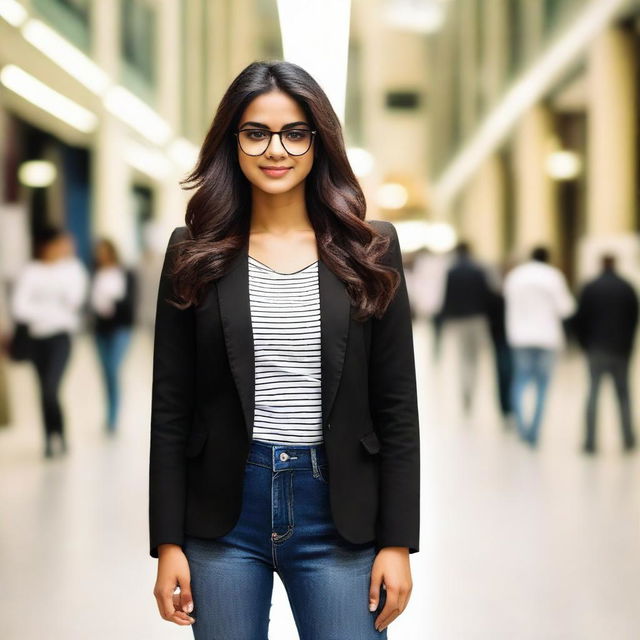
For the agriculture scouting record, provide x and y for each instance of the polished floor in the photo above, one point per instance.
(517, 544)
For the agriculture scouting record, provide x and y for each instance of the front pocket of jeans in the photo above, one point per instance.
(323, 474)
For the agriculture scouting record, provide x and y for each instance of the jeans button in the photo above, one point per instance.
(284, 456)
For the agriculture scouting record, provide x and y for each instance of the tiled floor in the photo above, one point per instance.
(516, 544)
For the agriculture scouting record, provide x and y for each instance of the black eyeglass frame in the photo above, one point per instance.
(271, 134)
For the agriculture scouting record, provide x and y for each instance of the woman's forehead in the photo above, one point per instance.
(273, 109)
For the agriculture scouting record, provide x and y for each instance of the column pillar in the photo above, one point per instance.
(483, 211)
(612, 154)
(536, 206)
(111, 175)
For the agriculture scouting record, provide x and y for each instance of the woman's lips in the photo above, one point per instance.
(275, 173)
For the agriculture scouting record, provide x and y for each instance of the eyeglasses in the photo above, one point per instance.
(254, 142)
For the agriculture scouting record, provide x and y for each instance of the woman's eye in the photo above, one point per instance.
(296, 135)
(256, 135)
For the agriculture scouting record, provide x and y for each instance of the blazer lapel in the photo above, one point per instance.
(235, 312)
(335, 313)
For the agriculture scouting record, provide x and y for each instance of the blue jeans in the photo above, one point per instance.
(530, 364)
(285, 525)
(111, 350)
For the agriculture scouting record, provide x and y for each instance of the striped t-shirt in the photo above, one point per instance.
(285, 315)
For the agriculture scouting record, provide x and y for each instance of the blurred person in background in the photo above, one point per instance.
(537, 300)
(48, 297)
(112, 301)
(464, 314)
(605, 324)
(502, 351)
(426, 288)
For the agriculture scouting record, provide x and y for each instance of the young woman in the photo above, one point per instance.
(112, 303)
(48, 298)
(284, 428)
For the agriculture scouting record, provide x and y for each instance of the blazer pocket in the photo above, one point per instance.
(195, 442)
(370, 442)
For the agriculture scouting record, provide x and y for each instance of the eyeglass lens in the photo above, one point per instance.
(255, 141)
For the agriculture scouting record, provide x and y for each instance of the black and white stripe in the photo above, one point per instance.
(285, 314)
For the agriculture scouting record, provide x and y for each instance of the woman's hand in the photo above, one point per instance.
(173, 571)
(391, 567)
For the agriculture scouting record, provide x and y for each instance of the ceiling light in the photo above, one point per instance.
(65, 55)
(13, 12)
(392, 195)
(137, 114)
(563, 165)
(37, 173)
(45, 98)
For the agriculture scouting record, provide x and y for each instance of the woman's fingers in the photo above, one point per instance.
(397, 599)
(374, 588)
(173, 571)
(169, 607)
(185, 600)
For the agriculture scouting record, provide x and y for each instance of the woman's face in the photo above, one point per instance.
(274, 111)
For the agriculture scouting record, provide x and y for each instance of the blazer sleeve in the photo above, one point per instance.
(172, 400)
(393, 400)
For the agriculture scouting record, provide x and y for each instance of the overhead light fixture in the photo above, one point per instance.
(392, 195)
(426, 16)
(361, 161)
(137, 114)
(66, 56)
(563, 165)
(13, 12)
(441, 237)
(37, 173)
(45, 98)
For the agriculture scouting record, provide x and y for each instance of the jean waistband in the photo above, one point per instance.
(283, 456)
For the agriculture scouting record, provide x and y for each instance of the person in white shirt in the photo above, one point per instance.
(112, 306)
(537, 300)
(48, 297)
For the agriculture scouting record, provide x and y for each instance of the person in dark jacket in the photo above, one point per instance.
(464, 312)
(112, 303)
(605, 324)
(502, 353)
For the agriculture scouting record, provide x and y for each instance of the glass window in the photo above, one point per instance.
(138, 42)
(70, 18)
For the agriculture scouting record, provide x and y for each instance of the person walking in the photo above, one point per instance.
(284, 420)
(537, 300)
(112, 300)
(605, 322)
(464, 315)
(48, 297)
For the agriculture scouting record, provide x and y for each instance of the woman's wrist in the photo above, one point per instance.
(164, 549)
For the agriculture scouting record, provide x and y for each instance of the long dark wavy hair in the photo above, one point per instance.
(218, 213)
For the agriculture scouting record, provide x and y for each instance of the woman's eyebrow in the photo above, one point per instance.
(264, 126)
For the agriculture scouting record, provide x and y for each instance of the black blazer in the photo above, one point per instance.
(607, 315)
(203, 405)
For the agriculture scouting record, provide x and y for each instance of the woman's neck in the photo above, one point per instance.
(279, 214)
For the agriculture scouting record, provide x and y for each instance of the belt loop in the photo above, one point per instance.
(314, 463)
